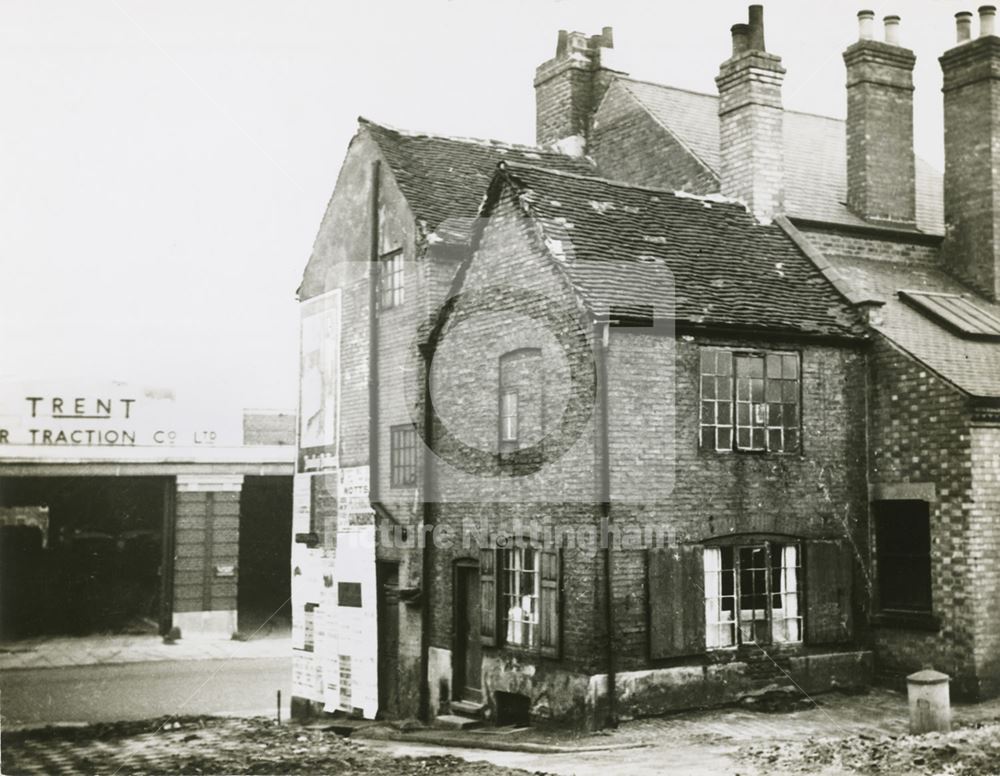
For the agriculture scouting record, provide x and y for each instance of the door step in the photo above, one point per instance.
(467, 708)
(455, 722)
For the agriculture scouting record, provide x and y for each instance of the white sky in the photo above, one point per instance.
(165, 165)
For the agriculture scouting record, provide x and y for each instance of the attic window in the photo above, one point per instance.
(955, 312)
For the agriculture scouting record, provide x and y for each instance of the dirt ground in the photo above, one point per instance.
(209, 745)
(204, 745)
(969, 751)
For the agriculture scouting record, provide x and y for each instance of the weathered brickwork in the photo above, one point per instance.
(881, 176)
(751, 130)
(919, 433)
(341, 259)
(984, 554)
(659, 477)
(836, 243)
(629, 145)
(972, 162)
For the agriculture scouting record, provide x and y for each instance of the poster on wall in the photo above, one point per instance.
(319, 397)
(351, 666)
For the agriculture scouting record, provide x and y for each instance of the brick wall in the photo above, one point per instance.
(919, 433)
(984, 554)
(880, 164)
(972, 162)
(751, 130)
(839, 244)
(654, 425)
(629, 145)
(659, 476)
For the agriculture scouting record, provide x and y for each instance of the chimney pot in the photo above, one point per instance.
(757, 28)
(741, 38)
(892, 30)
(866, 25)
(963, 26)
(987, 18)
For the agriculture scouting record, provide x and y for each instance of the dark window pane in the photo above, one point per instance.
(903, 552)
(708, 387)
(725, 439)
(774, 439)
(708, 438)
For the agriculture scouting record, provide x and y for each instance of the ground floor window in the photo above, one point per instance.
(903, 552)
(752, 594)
(521, 593)
(521, 597)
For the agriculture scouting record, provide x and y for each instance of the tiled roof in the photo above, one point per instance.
(625, 247)
(972, 365)
(815, 155)
(444, 178)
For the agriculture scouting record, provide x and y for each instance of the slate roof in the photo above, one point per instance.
(815, 155)
(444, 179)
(972, 365)
(626, 247)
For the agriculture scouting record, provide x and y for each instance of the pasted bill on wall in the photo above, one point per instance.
(319, 398)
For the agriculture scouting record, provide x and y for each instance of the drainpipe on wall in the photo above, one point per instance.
(425, 712)
(602, 336)
(373, 279)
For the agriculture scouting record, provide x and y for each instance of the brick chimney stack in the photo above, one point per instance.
(751, 120)
(972, 154)
(569, 88)
(881, 175)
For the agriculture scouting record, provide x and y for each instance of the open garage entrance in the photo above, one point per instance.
(264, 591)
(97, 567)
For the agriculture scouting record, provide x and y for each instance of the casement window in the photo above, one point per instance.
(903, 554)
(402, 456)
(520, 589)
(752, 595)
(391, 279)
(751, 592)
(508, 416)
(749, 401)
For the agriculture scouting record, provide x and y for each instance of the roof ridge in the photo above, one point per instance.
(714, 198)
(480, 141)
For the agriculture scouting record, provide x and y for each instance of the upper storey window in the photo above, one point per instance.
(391, 279)
(750, 401)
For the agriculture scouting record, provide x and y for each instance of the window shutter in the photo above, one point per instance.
(488, 597)
(829, 573)
(676, 601)
(550, 604)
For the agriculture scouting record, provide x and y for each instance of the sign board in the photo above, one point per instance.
(110, 414)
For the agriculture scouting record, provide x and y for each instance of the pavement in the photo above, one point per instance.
(76, 680)
(63, 651)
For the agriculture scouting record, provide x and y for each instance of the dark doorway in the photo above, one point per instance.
(97, 568)
(467, 665)
(264, 591)
(387, 579)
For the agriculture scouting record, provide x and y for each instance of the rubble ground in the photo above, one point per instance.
(967, 751)
(208, 745)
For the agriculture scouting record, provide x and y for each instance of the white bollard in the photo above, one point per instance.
(930, 702)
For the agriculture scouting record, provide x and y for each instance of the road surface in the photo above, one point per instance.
(129, 691)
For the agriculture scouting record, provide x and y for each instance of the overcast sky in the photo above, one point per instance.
(165, 165)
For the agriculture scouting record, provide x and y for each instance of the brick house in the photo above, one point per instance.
(666, 370)
(917, 254)
(811, 262)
